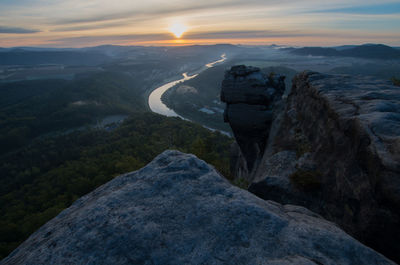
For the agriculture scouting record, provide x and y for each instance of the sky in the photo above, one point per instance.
(83, 23)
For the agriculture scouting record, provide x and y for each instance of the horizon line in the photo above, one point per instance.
(192, 44)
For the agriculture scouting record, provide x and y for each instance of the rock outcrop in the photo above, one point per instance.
(336, 151)
(179, 210)
(250, 97)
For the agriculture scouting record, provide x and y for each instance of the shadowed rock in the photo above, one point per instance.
(250, 97)
(345, 132)
(179, 210)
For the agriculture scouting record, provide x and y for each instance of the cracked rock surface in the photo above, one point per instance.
(179, 210)
(345, 131)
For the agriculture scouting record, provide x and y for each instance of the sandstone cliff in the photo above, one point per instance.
(179, 210)
(334, 147)
(250, 98)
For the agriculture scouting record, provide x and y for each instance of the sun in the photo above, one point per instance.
(178, 29)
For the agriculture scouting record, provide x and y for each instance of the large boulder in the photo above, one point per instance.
(345, 132)
(179, 210)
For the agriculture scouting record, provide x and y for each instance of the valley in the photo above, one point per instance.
(67, 128)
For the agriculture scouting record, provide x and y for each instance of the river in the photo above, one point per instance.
(155, 103)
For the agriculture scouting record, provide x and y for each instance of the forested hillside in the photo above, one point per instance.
(45, 177)
(54, 150)
(29, 109)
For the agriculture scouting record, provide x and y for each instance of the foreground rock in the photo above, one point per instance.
(179, 210)
(337, 152)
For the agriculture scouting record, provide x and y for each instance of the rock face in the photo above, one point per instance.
(335, 149)
(250, 97)
(179, 210)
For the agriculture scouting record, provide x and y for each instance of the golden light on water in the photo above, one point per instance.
(178, 28)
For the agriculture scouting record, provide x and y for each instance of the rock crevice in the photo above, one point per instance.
(250, 97)
(335, 150)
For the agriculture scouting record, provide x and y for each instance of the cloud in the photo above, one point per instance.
(96, 18)
(376, 9)
(77, 22)
(254, 34)
(116, 39)
(173, 9)
(12, 30)
(127, 37)
(267, 34)
(89, 27)
(160, 37)
(244, 34)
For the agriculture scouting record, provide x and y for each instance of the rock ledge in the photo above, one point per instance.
(179, 210)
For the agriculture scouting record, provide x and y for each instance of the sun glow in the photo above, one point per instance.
(178, 29)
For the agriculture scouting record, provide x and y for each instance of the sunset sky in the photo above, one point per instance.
(79, 23)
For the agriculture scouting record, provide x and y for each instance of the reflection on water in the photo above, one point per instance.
(155, 103)
(223, 58)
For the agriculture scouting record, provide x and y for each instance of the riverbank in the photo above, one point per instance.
(155, 98)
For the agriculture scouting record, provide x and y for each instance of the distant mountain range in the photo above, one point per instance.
(107, 53)
(101, 54)
(35, 57)
(369, 51)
